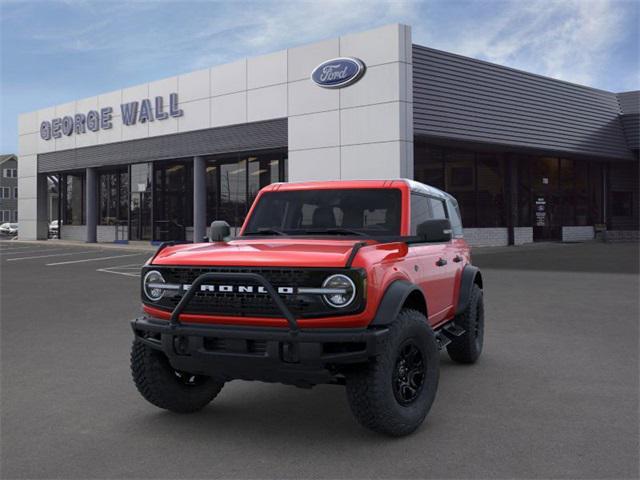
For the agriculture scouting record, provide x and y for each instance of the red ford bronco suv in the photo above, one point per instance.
(355, 283)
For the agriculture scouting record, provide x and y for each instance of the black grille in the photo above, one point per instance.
(256, 304)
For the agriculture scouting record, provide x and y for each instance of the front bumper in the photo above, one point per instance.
(303, 357)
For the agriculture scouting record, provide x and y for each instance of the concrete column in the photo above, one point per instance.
(199, 199)
(42, 216)
(91, 205)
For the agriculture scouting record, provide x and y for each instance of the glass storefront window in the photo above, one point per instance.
(429, 166)
(73, 199)
(233, 192)
(173, 200)
(549, 192)
(567, 192)
(475, 179)
(523, 176)
(491, 199)
(460, 181)
(623, 199)
(233, 183)
(113, 197)
(581, 176)
(140, 202)
(596, 188)
(573, 191)
(53, 197)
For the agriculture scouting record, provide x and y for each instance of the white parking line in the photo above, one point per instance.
(115, 271)
(39, 250)
(20, 249)
(52, 255)
(93, 259)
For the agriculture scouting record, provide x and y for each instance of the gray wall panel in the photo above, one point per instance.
(629, 101)
(236, 138)
(631, 126)
(465, 99)
(630, 107)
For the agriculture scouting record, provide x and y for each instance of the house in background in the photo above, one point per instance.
(9, 188)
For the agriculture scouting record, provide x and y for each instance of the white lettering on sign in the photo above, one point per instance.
(331, 72)
(94, 120)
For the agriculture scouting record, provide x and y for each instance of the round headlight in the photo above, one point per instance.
(344, 290)
(151, 287)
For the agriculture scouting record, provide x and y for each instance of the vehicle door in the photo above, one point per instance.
(461, 253)
(429, 263)
(451, 254)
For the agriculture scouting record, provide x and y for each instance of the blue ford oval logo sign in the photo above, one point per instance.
(338, 73)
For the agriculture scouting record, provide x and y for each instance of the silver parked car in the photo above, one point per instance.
(9, 229)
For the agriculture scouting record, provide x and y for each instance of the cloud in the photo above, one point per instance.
(569, 40)
(266, 26)
(59, 50)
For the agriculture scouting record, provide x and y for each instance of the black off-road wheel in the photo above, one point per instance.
(394, 393)
(468, 347)
(167, 388)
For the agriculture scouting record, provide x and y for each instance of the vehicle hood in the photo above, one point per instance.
(289, 252)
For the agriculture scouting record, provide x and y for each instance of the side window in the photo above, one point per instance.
(454, 217)
(420, 211)
(437, 207)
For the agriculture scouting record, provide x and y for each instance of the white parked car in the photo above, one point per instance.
(9, 229)
(54, 229)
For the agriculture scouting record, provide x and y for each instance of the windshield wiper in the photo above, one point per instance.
(266, 231)
(337, 231)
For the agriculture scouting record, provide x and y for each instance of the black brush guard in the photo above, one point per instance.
(292, 356)
(256, 277)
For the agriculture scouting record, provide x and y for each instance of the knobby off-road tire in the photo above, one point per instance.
(164, 387)
(380, 396)
(468, 347)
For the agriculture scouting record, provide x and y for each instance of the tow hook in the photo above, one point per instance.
(289, 352)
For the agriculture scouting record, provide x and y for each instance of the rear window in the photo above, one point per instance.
(425, 208)
(371, 212)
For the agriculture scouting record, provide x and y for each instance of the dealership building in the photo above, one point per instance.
(529, 158)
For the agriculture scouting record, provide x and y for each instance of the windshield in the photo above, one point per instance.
(360, 212)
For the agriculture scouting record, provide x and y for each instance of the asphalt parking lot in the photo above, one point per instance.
(555, 394)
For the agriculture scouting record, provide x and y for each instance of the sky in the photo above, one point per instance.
(55, 51)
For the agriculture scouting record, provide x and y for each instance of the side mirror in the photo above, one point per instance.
(219, 230)
(436, 230)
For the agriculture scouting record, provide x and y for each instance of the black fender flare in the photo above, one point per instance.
(393, 300)
(470, 275)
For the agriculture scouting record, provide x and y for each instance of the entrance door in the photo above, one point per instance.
(546, 200)
(140, 220)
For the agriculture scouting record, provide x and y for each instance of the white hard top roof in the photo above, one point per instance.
(427, 189)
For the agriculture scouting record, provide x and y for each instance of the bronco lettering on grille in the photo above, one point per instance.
(239, 289)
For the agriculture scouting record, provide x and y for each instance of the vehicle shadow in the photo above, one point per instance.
(269, 413)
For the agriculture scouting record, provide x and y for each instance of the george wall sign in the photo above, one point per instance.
(339, 72)
(94, 120)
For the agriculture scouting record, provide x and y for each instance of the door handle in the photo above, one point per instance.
(441, 262)
(457, 259)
